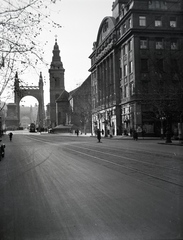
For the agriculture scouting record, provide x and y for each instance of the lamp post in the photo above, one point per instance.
(162, 132)
(168, 129)
(180, 127)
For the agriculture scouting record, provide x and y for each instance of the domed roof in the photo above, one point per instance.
(106, 26)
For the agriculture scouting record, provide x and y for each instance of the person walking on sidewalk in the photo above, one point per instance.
(98, 135)
(77, 132)
(10, 136)
(135, 135)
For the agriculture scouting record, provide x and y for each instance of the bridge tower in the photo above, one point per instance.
(34, 91)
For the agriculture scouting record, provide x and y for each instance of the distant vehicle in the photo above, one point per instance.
(32, 127)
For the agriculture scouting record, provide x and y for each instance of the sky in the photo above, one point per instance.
(80, 21)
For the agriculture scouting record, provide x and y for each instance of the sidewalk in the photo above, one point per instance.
(123, 137)
(158, 139)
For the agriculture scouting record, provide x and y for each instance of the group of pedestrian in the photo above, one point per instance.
(133, 133)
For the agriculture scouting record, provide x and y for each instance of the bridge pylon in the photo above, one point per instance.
(34, 91)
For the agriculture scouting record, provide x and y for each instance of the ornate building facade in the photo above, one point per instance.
(139, 44)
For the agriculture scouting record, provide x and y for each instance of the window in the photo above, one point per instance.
(159, 66)
(157, 4)
(154, 4)
(144, 65)
(130, 67)
(125, 70)
(142, 21)
(130, 23)
(174, 66)
(159, 43)
(126, 91)
(130, 45)
(121, 31)
(174, 44)
(131, 88)
(158, 22)
(173, 22)
(143, 43)
(105, 26)
(125, 49)
(124, 28)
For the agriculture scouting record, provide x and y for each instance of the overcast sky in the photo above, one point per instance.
(80, 20)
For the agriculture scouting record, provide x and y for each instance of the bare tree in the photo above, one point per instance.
(163, 92)
(21, 23)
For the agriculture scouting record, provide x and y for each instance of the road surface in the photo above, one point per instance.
(55, 187)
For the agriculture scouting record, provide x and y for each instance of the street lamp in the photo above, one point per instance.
(168, 129)
(162, 132)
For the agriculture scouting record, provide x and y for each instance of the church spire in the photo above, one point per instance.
(57, 85)
(56, 60)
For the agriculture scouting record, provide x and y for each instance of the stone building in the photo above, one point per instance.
(139, 44)
(80, 107)
(58, 95)
(67, 110)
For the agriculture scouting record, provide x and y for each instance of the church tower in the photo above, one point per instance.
(57, 85)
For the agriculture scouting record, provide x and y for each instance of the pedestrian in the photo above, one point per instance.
(98, 135)
(10, 136)
(77, 132)
(131, 132)
(111, 133)
(135, 135)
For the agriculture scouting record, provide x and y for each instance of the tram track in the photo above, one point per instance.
(127, 158)
(124, 158)
(137, 169)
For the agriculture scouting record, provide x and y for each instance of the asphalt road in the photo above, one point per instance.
(55, 187)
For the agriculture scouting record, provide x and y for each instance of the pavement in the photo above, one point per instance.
(159, 140)
(123, 137)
